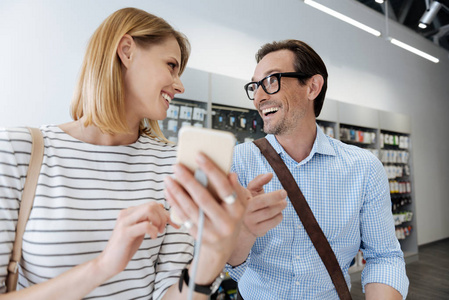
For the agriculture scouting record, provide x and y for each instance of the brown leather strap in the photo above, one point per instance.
(306, 216)
(37, 153)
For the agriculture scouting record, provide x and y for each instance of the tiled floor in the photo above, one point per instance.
(429, 276)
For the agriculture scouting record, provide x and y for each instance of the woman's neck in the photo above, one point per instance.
(93, 135)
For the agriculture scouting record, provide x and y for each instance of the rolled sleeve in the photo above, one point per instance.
(236, 272)
(387, 271)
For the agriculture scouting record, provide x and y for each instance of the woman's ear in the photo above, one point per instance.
(315, 85)
(125, 49)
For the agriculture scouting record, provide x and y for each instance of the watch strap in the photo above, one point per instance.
(202, 289)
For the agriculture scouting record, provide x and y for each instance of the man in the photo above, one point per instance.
(346, 188)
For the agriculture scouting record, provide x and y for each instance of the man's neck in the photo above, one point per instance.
(299, 143)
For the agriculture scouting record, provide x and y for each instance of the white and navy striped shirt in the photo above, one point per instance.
(80, 191)
(347, 190)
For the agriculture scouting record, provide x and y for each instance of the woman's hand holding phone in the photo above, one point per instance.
(223, 218)
(222, 222)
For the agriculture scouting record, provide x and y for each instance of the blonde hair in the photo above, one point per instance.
(99, 95)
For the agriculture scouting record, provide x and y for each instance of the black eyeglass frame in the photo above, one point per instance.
(278, 76)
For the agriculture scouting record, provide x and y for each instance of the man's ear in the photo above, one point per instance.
(315, 85)
(125, 49)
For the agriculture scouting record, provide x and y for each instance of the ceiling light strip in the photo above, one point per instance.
(414, 50)
(342, 17)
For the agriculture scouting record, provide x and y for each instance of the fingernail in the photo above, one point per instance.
(201, 158)
(175, 218)
(283, 194)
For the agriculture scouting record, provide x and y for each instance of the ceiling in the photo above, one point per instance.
(408, 13)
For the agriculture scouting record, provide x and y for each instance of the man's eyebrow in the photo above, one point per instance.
(269, 72)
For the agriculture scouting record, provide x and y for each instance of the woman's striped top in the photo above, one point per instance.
(81, 189)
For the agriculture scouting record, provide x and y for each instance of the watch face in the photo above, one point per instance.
(216, 284)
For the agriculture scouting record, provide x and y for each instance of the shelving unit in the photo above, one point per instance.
(399, 127)
(395, 157)
(227, 107)
(245, 124)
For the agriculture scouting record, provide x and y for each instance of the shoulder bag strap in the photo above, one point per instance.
(306, 216)
(37, 153)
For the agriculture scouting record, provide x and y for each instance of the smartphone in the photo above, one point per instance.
(218, 145)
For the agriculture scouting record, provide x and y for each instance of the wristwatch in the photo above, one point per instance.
(202, 289)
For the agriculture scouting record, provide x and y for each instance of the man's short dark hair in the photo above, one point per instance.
(307, 61)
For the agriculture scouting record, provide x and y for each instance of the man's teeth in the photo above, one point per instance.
(166, 97)
(270, 110)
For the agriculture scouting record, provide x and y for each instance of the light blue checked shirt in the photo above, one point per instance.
(347, 189)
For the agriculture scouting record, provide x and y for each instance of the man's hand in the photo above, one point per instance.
(263, 211)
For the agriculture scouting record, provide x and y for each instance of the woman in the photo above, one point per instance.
(100, 226)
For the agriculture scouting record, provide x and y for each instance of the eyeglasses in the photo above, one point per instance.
(270, 84)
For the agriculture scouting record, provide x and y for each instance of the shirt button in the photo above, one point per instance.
(297, 256)
(299, 226)
(297, 283)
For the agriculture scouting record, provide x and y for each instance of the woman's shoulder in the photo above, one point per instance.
(15, 153)
(15, 139)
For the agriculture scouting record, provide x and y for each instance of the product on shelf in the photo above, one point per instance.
(245, 124)
(403, 232)
(358, 135)
(402, 217)
(391, 139)
(183, 113)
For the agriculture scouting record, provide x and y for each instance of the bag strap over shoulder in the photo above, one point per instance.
(306, 216)
(26, 203)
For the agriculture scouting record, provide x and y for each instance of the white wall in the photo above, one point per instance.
(43, 42)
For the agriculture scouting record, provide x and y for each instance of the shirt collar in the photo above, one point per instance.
(321, 145)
